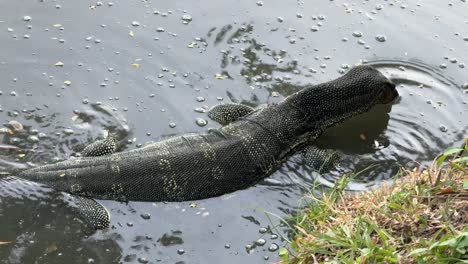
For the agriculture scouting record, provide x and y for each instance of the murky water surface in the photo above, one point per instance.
(159, 65)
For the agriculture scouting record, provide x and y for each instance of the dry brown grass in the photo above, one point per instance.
(420, 208)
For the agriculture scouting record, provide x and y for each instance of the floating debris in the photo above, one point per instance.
(15, 125)
(192, 44)
(220, 76)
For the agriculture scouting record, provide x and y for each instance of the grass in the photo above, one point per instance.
(421, 218)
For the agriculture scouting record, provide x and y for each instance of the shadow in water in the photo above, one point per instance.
(41, 226)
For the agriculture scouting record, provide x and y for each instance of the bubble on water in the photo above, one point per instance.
(172, 125)
(135, 23)
(227, 246)
(280, 19)
(299, 15)
(453, 60)
(259, 3)
(263, 230)
(146, 216)
(97, 41)
(27, 18)
(380, 38)
(186, 18)
(357, 34)
(142, 260)
(443, 128)
(33, 138)
(180, 251)
(26, 36)
(200, 99)
(200, 110)
(129, 224)
(314, 29)
(260, 242)
(160, 29)
(266, 257)
(443, 66)
(68, 131)
(201, 122)
(273, 247)
(13, 93)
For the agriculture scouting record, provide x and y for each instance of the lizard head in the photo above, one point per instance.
(360, 89)
(366, 86)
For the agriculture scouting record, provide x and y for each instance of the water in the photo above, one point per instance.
(158, 65)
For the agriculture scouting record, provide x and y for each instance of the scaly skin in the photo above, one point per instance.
(223, 160)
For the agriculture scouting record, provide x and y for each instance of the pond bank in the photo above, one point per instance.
(422, 217)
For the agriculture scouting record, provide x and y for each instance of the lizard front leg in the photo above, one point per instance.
(227, 113)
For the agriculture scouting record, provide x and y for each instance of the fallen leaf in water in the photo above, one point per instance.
(67, 82)
(74, 118)
(362, 136)
(5, 242)
(59, 64)
(51, 248)
(131, 33)
(57, 25)
(136, 65)
(22, 155)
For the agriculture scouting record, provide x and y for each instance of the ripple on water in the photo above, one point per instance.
(427, 118)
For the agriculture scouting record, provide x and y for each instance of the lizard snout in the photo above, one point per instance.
(389, 93)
